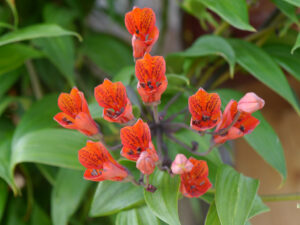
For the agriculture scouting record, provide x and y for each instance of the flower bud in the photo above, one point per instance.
(250, 103)
(145, 163)
(181, 165)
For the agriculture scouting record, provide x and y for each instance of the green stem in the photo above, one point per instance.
(163, 30)
(223, 26)
(281, 197)
(36, 86)
(155, 114)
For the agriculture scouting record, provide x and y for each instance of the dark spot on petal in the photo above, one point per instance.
(66, 120)
(158, 84)
(143, 85)
(139, 149)
(130, 152)
(94, 173)
(193, 186)
(205, 118)
(242, 128)
(137, 31)
(203, 182)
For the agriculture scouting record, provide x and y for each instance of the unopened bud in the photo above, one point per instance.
(250, 103)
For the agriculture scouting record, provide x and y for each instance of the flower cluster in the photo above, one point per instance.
(135, 136)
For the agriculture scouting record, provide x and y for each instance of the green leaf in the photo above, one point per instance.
(112, 197)
(259, 64)
(3, 197)
(177, 83)
(293, 2)
(297, 44)
(125, 75)
(263, 138)
(108, 52)
(258, 207)
(287, 9)
(164, 201)
(36, 31)
(7, 80)
(56, 147)
(7, 101)
(235, 196)
(137, 216)
(64, 202)
(14, 56)
(60, 51)
(212, 217)
(211, 45)
(234, 12)
(282, 55)
(39, 216)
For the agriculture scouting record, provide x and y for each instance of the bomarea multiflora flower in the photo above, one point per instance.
(204, 107)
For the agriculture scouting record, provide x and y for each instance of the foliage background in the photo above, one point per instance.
(47, 47)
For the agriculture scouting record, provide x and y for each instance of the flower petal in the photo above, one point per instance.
(65, 120)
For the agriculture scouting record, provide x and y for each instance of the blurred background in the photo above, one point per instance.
(106, 52)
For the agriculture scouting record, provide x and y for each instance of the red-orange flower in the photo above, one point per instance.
(140, 47)
(140, 22)
(99, 164)
(150, 71)
(75, 113)
(113, 98)
(205, 109)
(195, 183)
(137, 139)
(244, 125)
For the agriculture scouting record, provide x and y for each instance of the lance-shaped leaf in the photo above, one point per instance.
(293, 2)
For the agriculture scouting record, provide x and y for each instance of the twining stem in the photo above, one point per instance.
(281, 197)
(36, 86)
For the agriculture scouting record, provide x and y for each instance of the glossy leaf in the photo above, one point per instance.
(7, 80)
(64, 202)
(164, 201)
(297, 44)
(263, 138)
(287, 9)
(235, 196)
(112, 197)
(211, 45)
(137, 216)
(282, 55)
(108, 52)
(60, 51)
(234, 12)
(14, 56)
(3, 197)
(293, 2)
(56, 147)
(212, 217)
(261, 65)
(35, 31)
(177, 82)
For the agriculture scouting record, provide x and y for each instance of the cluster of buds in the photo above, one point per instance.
(135, 136)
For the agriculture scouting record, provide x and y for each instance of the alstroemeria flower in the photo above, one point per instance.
(245, 124)
(140, 47)
(195, 183)
(146, 161)
(113, 98)
(137, 139)
(150, 72)
(99, 164)
(250, 103)
(75, 113)
(205, 109)
(181, 164)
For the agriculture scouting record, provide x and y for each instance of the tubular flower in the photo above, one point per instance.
(150, 72)
(250, 103)
(137, 139)
(245, 124)
(99, 164)
(75, 113)
(181, 165)
(195, 183)
(113, 98)
(141, 47)
(205, 109)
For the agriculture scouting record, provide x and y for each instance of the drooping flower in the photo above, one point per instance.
(245, 124)
(141, 47)
(181, 164)
(99, 164)
(250, 103)
(150, 72)
(205, 109)
(75, 113)
(195, 182)
(113, 98)
(146, 161)
(135, 140)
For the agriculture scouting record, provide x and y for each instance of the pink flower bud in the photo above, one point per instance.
(181, 165)
(250, 103)
(145, 163)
